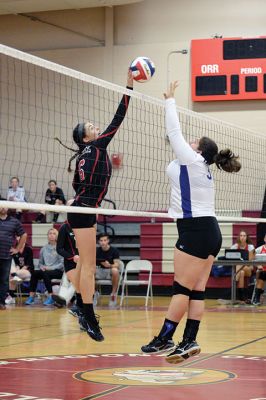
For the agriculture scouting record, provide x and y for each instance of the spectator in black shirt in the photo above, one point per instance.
(9, 228)
(108, 264)
(53, 195)
(21, 269)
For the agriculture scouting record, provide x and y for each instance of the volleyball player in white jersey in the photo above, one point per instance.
(192, 204)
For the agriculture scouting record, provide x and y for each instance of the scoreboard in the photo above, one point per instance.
(228, 69)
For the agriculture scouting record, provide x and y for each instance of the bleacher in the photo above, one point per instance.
(145, 238)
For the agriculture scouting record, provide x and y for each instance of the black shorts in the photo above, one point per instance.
(69, 265)
(200, 237)
(77, 221)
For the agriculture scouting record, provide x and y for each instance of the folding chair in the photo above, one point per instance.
(136, 266)
(18, 292)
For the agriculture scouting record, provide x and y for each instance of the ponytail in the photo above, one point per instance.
(72, 158)
(227, 161)
(224, 159)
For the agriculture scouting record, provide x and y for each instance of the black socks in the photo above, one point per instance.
(88, 313)
(79, 301)
(191, 330)
(168, 329)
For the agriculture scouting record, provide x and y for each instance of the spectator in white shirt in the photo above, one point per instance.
(16, 193)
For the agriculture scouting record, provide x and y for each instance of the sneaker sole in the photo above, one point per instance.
(160, 351)
(178, 358)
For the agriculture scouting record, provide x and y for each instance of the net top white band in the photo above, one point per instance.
(86, 210)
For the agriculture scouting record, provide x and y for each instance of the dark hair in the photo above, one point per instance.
(78, 135)
(101, 235)
(52, 180)
(14, 177)
(249, 241)
(77, 152)
(224, 159)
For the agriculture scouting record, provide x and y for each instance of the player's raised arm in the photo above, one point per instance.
(183, 151)
(105, 137)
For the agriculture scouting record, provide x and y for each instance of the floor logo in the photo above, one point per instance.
(155, 376)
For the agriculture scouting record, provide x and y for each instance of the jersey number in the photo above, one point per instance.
(81, 171)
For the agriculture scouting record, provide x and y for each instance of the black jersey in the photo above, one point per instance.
(106, 255)
(93, 166)
(51, 197)
(25, 258)
(66, 243)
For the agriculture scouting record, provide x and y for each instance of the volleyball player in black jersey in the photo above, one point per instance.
(91, 179)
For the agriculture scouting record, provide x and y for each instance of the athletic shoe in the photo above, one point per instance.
(158, 345)
(92, 328)
(75, 311)
(112, 301)
(59, 301)
(29, 301)
(256, 303)
(183, 351)
(49, 301)
(81, 327)
(10, 300)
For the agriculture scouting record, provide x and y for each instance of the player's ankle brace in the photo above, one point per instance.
(179, 289)
(197, 295)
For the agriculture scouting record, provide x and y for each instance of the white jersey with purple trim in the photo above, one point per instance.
(192, 187)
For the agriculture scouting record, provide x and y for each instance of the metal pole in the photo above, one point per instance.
(183, 51)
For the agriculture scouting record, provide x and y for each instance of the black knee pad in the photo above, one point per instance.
(197, 295)
(179, 289)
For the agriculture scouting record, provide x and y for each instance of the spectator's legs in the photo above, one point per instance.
(23, 274)
(49, 216)
(47, 277)
(35, 276)
(56, 215)
(5, 266)
(240, 277)
(115, 280)
(40, 217)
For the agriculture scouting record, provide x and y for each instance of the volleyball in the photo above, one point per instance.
(142, 69)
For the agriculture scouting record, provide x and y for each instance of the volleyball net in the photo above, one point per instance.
(41, 101)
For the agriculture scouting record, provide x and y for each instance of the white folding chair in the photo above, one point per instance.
(136, 266)
(108, 282)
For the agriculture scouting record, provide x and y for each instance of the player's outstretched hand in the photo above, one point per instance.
(171, 91)
(129, 78)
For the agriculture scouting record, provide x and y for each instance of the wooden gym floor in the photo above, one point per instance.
(43, 355)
